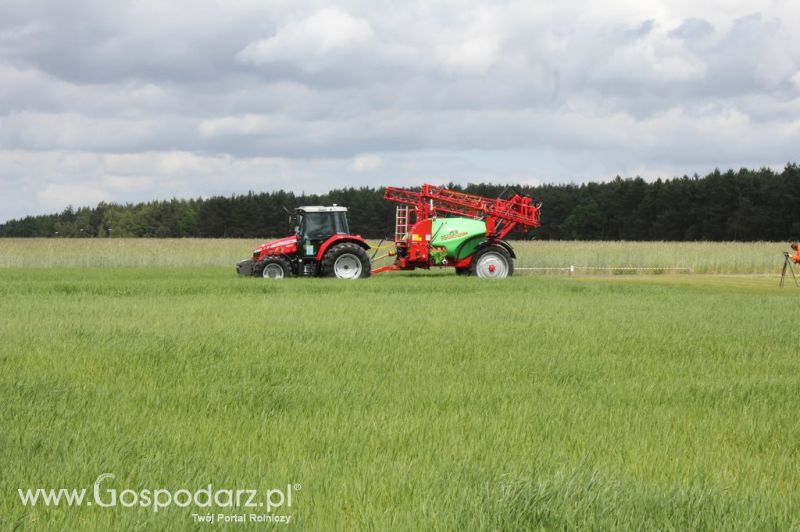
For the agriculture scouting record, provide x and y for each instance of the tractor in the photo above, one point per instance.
(321, 245)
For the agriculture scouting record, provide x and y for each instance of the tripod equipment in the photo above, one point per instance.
(787, 263)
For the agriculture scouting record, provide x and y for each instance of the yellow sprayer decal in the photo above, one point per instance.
(453, 234)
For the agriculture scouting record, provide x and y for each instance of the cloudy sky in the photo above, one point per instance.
(127, 101)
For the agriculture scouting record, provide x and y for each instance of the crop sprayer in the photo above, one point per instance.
(434, 227)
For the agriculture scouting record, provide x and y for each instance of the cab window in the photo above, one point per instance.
(318, 225)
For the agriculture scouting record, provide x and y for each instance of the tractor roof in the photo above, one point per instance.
(317, 208)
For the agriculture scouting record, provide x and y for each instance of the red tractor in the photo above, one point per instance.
(320, 246)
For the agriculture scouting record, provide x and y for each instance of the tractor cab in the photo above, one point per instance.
(315, 225)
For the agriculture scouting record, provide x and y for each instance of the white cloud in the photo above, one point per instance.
(366, 163)
(474, 54)
(125, 184)
(55, 196)
(249, 124)
(305, 41)
(651, 59)
(796, 79)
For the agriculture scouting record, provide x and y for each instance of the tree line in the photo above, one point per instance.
(745, 205)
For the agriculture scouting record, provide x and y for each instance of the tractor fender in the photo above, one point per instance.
(485, 243)
(338, 239)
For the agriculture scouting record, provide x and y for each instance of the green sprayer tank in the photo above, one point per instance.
(459, 236)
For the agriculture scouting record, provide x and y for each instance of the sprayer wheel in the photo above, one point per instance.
(492, 263)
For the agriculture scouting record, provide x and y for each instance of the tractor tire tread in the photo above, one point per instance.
(285, 264)
(345, 247)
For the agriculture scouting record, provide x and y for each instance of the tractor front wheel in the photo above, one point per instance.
(275, 268)
(346, 261)
(492, 263)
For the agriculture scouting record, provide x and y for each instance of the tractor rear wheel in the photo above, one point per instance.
(492, 263)
(346, 261)
(275, 268)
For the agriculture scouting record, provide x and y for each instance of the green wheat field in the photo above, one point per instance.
(408, 401)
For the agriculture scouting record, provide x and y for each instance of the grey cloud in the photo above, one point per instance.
(94, 41)
(642, 29)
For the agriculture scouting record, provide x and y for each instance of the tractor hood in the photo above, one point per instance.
(287, 245)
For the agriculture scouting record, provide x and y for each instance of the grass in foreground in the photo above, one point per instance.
(407, 401)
